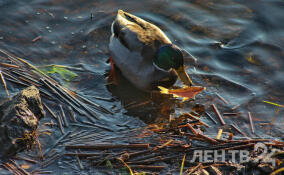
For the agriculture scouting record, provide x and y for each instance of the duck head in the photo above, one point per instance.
(170, 57)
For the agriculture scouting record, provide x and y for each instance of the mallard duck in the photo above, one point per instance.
(144, 54)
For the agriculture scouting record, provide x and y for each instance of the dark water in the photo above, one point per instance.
(239, 46)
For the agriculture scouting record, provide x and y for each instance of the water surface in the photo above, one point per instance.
(238, 45)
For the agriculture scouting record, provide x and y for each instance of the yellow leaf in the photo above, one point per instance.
(186, 92)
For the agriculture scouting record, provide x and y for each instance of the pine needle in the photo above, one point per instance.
(194, 169)
(219, 133)
(165, 144)
(20, 60)
(38, 144)
(275, 104)
(131, 172)
(4, 83)
(32, 66)
(277, 171)
(182, 165)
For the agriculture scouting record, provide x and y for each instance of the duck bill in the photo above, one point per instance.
(184, 76)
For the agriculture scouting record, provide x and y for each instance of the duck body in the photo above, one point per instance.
(134, 46)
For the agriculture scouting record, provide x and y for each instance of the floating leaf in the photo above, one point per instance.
(186, 93)
(66, 74)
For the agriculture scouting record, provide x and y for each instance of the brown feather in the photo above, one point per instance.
(146, 33)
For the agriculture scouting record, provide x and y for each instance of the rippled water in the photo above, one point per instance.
(238, 44)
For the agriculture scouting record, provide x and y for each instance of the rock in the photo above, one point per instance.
(19, 118)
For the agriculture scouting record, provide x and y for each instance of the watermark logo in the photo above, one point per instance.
(265, 156)
(259, 154)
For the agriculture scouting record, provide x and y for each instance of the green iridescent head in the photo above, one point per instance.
(170, 57)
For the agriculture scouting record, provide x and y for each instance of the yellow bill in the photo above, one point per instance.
(184, 76)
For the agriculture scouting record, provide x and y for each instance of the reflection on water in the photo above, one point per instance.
(239, 46)
(150, 107)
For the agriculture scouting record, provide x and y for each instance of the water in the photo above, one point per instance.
(238, 44)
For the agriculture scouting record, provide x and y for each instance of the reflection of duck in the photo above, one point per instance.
(148, 106)
(144, 54)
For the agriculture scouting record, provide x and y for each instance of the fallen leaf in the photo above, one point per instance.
(66, 74)
(186, 93)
